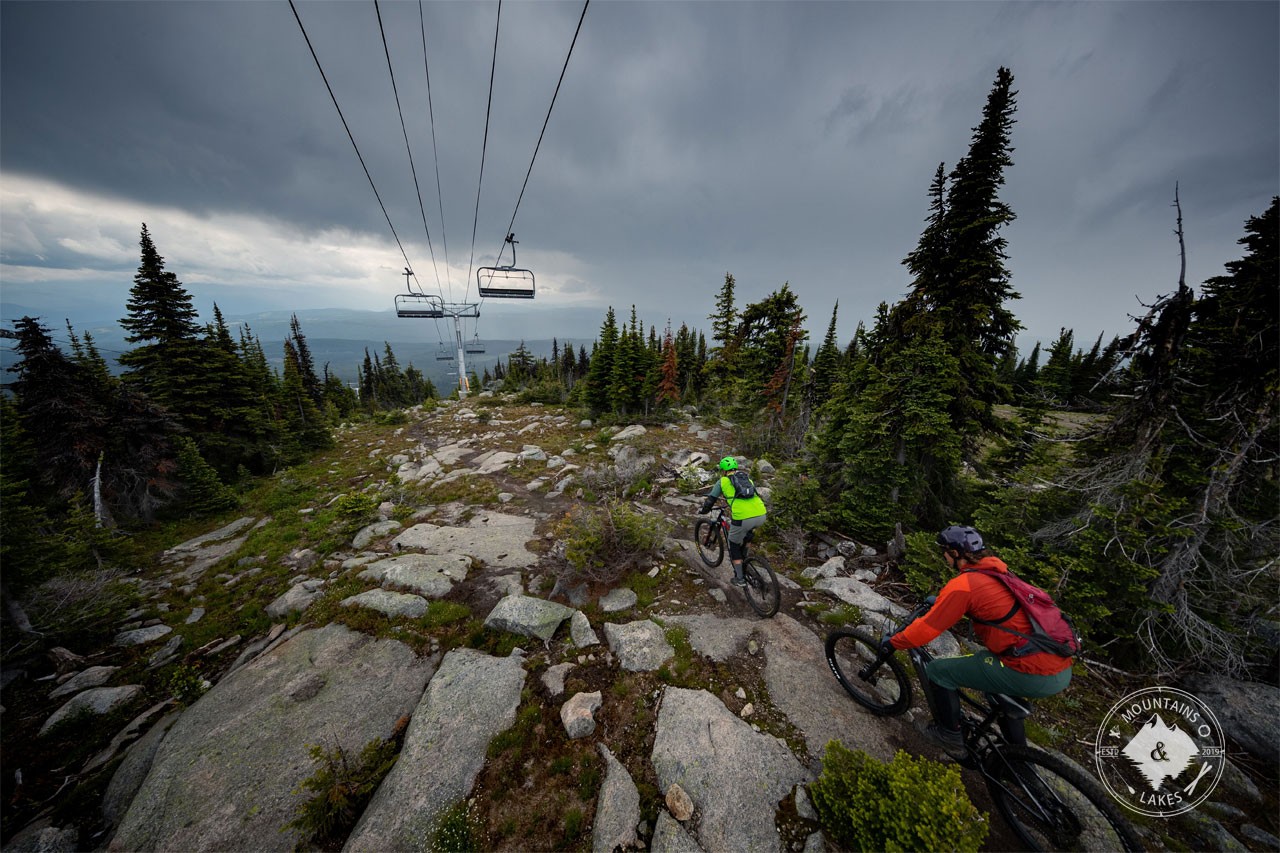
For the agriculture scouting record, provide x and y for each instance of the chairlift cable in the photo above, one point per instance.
(484, 146)
(350, 136)
(435, 152)
(404, 130)
(511, 225)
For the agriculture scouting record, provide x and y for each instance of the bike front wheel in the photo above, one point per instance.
(762, 590)
(879, 685)
(706, 535)
(1052, 805)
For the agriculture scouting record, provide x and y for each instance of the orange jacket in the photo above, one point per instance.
(972, 594)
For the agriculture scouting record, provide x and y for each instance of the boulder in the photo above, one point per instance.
(472, 697)
(580, 630)
(527, 616)
(374, 531)
(716, 637)
(128, 777)
(617, 600)
(297, 599)
(96, 701)
(829, 569)
(639, 646)
(391, 604)
(679, 803)
(495, 539)
(428, 575)
(617, 808)
(224, 777)
(633, 431)
(670, 837)
(138, 636)
(94, 676)
(1249, 712)
(553, 678)
(578, 714)
(735, 777)
(857, 593)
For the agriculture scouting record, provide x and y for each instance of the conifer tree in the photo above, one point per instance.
(1171, 526)
(959, 278)
(669, 384)
(826, 364)
(1056, 378)
(303, 427)
(202, 492)
(626, 384)
(306, 364)
(162, 321)
(66, 424)
(599, 379)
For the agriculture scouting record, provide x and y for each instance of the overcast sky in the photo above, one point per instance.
(780, 142)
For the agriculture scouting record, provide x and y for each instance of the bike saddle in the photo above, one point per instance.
(1011, 707)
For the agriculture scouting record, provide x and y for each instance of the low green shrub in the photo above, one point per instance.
(355, 510)
(607, 543)
(907, 804)
(341, 787)
(186, 685)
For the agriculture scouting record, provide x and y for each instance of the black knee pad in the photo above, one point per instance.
(735, 551)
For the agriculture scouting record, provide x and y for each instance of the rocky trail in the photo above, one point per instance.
(568, 715)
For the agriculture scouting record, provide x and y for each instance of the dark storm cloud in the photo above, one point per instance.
(778, 141)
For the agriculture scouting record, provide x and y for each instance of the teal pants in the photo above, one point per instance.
(987, 673)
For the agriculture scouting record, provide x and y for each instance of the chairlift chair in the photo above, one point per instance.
(505, 282)
(426, 305)
(475, 345)
(444, 353)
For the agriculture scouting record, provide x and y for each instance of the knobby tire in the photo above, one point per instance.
(1052, 805)
(762, 590)
(709, 541)
(883, 689)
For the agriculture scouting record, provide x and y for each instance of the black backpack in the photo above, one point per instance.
(743, 488)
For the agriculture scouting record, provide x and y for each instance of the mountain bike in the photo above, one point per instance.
(1049, 804)
(711, 536)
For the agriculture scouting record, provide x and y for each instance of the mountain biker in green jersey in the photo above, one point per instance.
(747, 513)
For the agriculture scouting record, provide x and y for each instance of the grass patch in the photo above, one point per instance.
(441, 613)
(645, 588)
(474, 490)
(845, 614)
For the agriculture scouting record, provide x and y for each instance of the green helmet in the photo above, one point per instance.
(728, 464)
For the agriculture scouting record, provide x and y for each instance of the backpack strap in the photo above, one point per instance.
(998, 624)
(1017, 605)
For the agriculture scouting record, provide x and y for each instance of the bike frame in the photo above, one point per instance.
(982, 735)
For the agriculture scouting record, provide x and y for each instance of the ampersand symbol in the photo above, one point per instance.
(1158, 753)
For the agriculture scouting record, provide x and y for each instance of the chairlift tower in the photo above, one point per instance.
(417, 305)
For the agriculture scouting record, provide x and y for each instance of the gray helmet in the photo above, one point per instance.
(966, 540)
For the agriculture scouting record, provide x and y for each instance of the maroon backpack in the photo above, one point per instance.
(1051, 629)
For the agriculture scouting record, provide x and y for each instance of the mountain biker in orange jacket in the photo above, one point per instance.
(974, 594)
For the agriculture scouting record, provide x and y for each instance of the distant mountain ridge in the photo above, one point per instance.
(339, 336)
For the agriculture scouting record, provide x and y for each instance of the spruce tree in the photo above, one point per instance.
(600, 373)
(162, 322)
(303, 427)
(826, 364)
(306, 364)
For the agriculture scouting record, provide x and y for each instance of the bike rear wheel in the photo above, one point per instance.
(1052, 805)
(762, 591)
(880, 686)
(706, 535)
